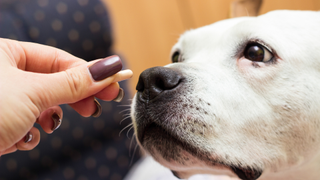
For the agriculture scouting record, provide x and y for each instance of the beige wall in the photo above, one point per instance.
(145, 30)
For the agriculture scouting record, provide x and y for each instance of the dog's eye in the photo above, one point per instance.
(256, 52)
(176, 57)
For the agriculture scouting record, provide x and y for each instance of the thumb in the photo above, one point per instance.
(80, 82)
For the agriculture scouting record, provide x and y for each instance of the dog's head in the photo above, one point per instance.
(242, 97)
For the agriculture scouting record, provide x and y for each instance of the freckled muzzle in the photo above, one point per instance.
(158, 88)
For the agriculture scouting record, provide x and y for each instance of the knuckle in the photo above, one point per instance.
(75, 84)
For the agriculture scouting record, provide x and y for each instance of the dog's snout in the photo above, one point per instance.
(155, 80)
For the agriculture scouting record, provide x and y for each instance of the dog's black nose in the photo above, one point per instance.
(155, 80)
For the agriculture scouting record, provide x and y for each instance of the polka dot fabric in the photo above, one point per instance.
(82, 148)
(80, 27)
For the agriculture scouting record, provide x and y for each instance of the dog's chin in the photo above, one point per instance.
(174, 152)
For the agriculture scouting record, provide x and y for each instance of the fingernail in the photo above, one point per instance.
(56, 121)
(28, 137)
(120, 96)
(98, 111)
(105, 68)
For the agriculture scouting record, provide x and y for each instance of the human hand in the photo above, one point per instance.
(35, 79)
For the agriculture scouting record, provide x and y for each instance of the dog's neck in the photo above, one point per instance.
(309, 170)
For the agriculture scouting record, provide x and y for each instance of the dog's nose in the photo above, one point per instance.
(155, 80)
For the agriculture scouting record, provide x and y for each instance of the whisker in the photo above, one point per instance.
(167, 119)
(132, 139)
(123, 105)
(129, 131)
(134, 152)
(126, 115)
(125, 118)
(125, 110)
(125, 128)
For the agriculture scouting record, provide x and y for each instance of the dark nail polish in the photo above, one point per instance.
(120, 96)
(28, 137)
(98, 111)
(105, 68)
(56, 121)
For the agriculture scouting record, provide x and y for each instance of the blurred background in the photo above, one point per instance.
(145, 30)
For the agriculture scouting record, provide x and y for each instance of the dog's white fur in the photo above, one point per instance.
(255, 115)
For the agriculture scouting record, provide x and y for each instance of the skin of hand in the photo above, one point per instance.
(34, 80)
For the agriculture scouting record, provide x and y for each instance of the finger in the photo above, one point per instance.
(86, 107)
(10, 150)
(72, 85)
(122, 75)
(39, 58)
(68, 86)
(91, 107)
(109, 93)
(30, 141)
(50, 119)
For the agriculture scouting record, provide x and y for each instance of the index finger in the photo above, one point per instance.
(39, 58)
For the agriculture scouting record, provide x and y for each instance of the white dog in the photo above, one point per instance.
(241, 98)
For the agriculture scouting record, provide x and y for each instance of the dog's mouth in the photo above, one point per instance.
(153, 136)
(246, 174)
(243, 174)
(153, 130)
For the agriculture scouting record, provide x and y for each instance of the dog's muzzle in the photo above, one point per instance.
(158, 86)
(154, 83)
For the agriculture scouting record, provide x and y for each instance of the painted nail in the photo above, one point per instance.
(56, 121)
(98, 111)
(28, 137)
(120, 96)
(105, 68)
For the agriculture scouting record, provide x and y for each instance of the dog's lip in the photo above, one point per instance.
(242, 173)
(246, 173)
(141, 133)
